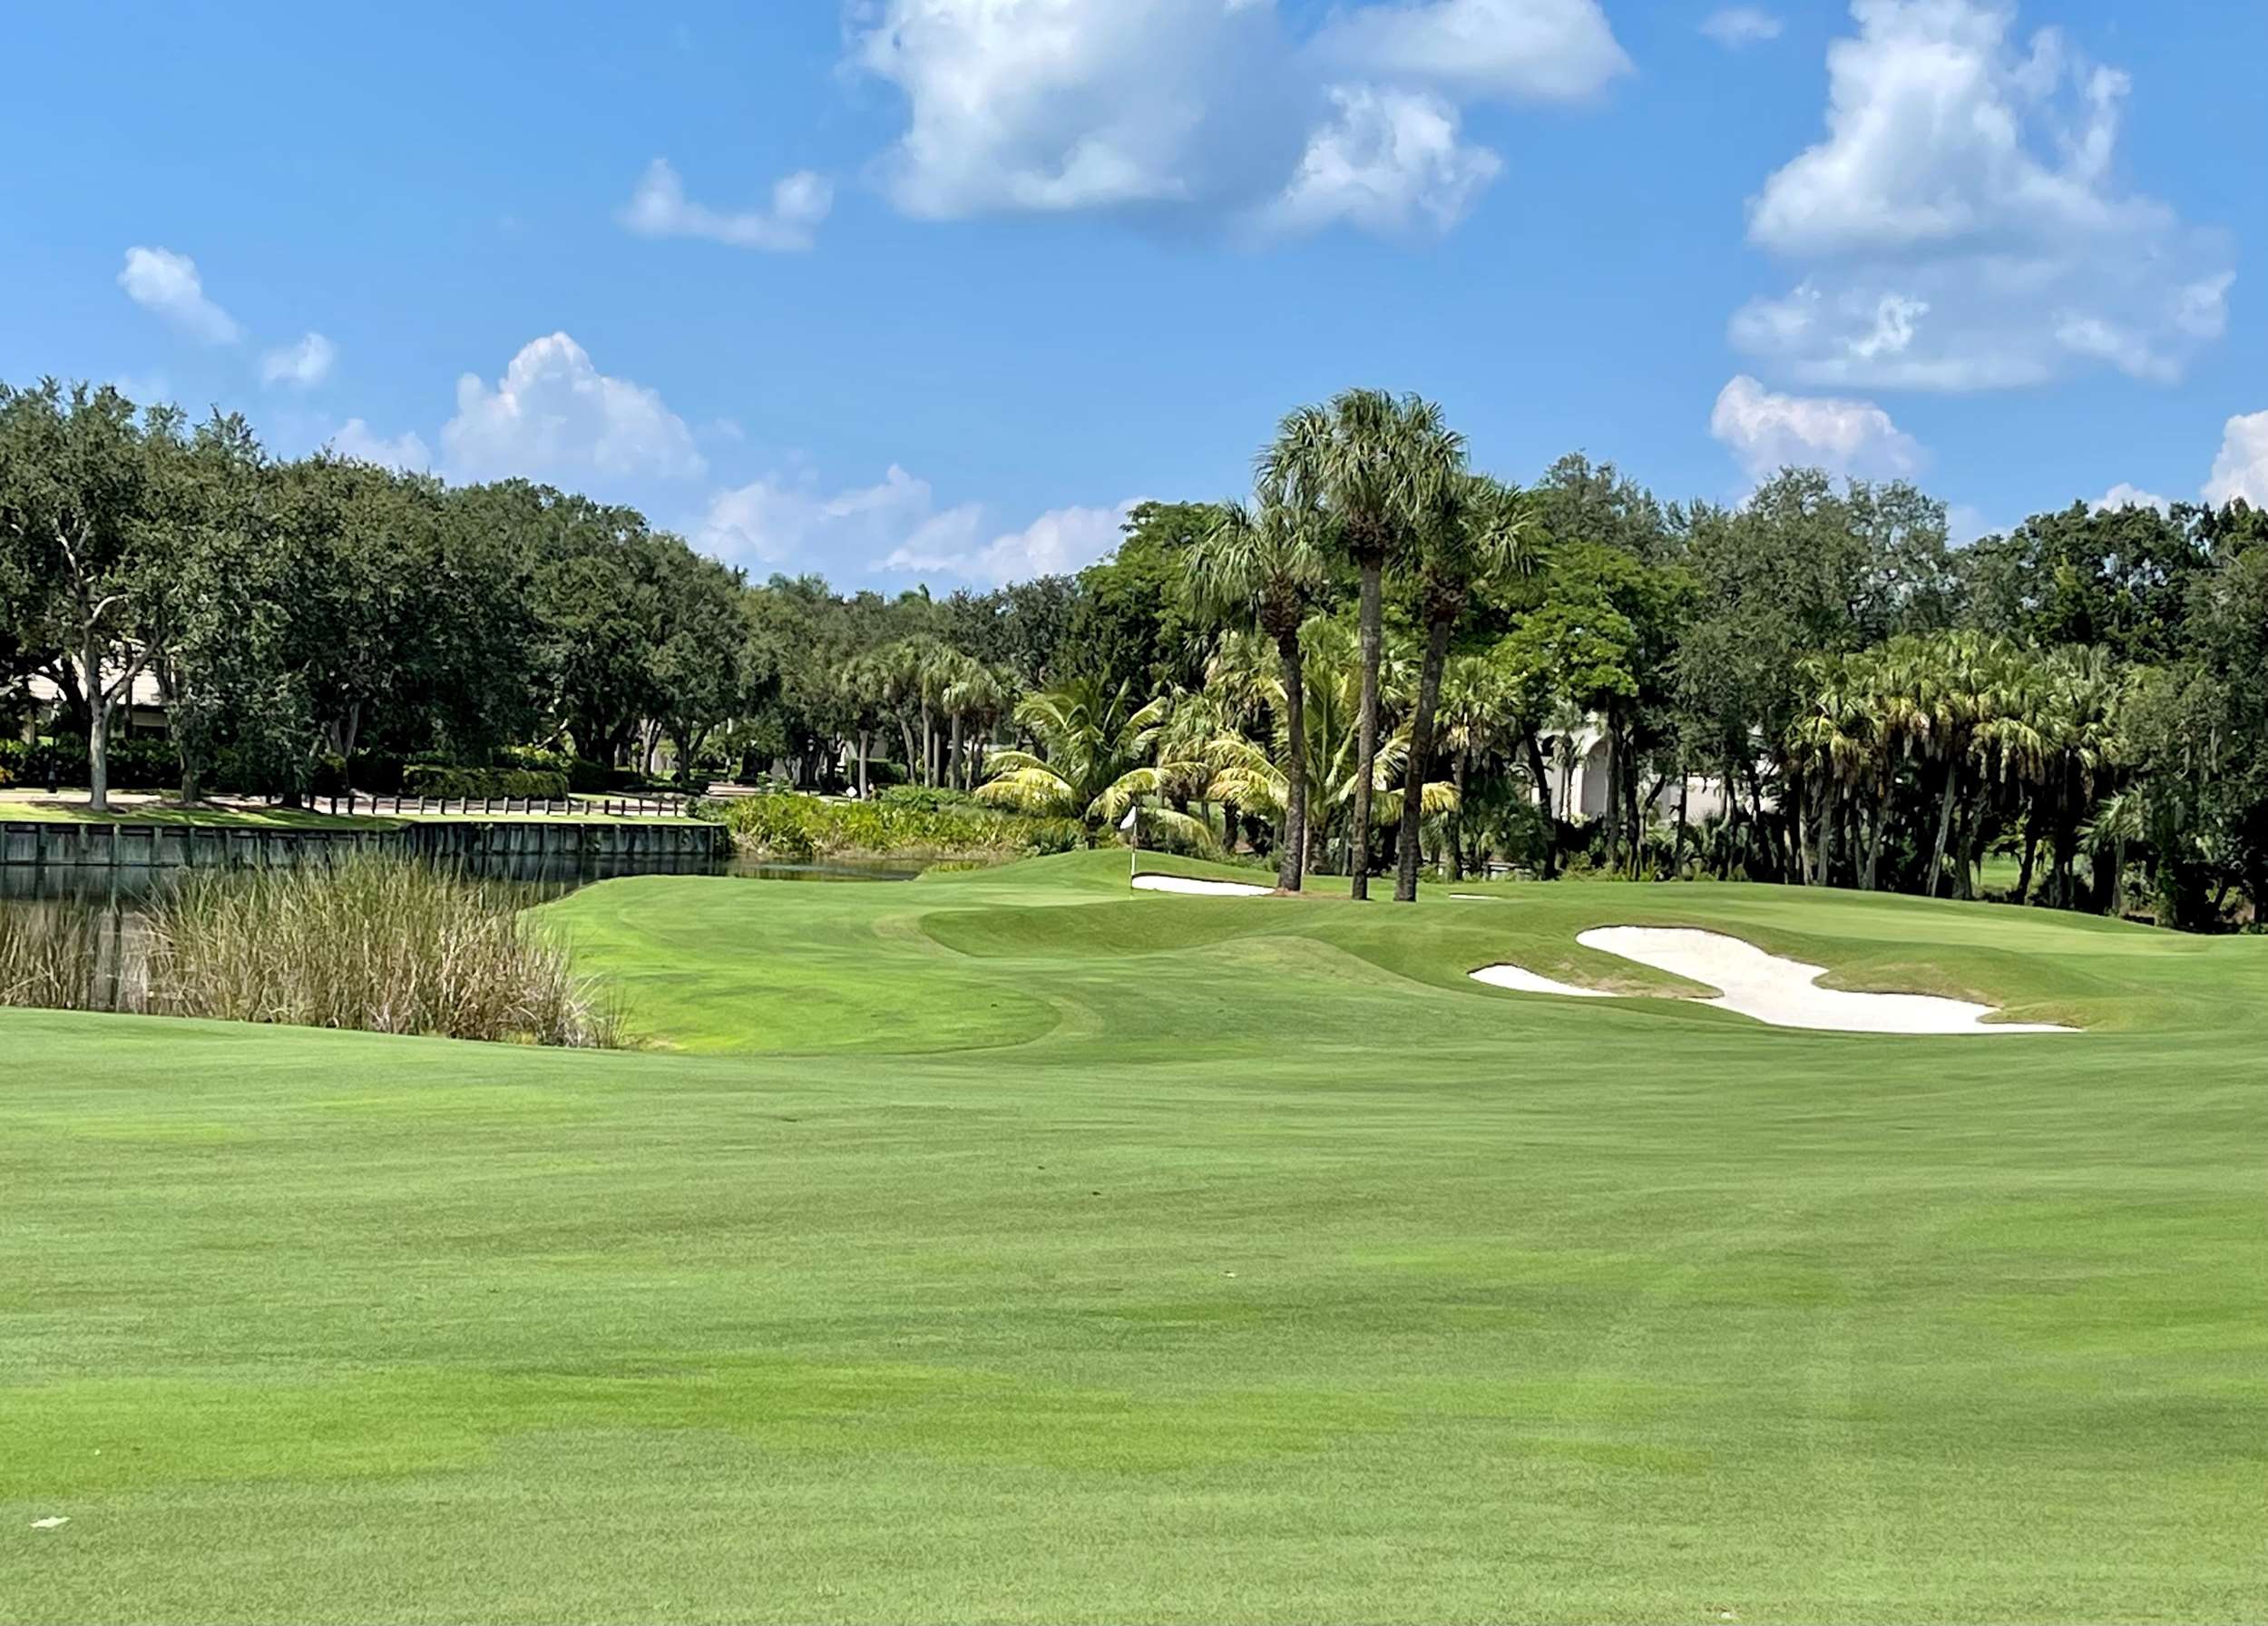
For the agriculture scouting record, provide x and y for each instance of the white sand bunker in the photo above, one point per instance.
(1521, 980)
(1780, 992)
(1199, 889)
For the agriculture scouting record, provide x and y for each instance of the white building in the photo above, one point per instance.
(1576, 769)
(141, 711)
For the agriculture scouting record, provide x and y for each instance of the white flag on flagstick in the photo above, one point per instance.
(1127, 822)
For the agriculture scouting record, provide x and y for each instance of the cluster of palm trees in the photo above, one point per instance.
(1291, 728)
(1381, 483)
(1951, 738)
(943, 701)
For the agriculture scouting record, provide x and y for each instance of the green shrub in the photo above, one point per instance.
(931, 797)
(134, 763)
(426, 779)
(807, 826)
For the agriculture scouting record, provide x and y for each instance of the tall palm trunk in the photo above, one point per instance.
(1882, 831)
(1825, 873)
(1944, 822)
(1421, 763)
(1457, 818)
(956, 770)
(1290, 865)
(1542, 773)
(1614, 795)
(1972, 818)
(1366, 731)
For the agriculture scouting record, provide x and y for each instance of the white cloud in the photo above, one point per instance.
(659, 207)
(2242, 468)
(894, 527)
(1966, 525)
(357, 440)
(1739, 25)
(301, 365)
(1210, 110)
(161, 280)
(1766, 431)
(1522, 50)
(1967, 188)
(2124, 495)
(1058, 543)
(553, 413)
(1390, 162)
(781, 519)
(1050, 105)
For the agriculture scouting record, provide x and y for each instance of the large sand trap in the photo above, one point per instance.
(1782, 993)
(1198, 889)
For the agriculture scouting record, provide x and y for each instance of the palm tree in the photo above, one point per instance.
(973, 694)
(1477, 710)
(1253, 778)
(1477, 528)
(1264, 567)
(1098, 758)
(1375, 463)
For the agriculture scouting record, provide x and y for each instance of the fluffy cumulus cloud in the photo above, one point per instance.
(894, 527)
(300, 365)
(2126, 496)
(800, 202)
(783, 518)
(1765, 430)
(160, 280)
(554, 414)
(1214, 111)
(1740, 25)
(1517, 50)
(1960, 225)
(2242, 468)
(1390, 162)
(1058, 543)
(357, 440)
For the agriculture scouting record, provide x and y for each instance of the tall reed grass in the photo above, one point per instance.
(52, 956)
(382, 944)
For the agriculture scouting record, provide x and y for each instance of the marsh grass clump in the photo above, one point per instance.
(381, 944)
(52, 956)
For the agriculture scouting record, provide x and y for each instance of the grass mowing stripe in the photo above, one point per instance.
(1004, 1247)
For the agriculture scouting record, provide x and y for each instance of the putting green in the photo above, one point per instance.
(1013, 1246)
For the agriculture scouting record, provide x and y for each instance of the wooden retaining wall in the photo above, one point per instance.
(227, 846)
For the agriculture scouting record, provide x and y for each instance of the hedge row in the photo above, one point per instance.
(427, 779)
(807, 826)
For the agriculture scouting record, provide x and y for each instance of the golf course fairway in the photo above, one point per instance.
(1012, 1246)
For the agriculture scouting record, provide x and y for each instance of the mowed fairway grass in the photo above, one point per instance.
(1006, 1246)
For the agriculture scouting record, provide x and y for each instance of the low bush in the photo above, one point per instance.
(929, 797)
(135, 764)
(807, 826)
(584, 777)
(426, 779)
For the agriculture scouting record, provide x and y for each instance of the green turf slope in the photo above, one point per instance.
(1004, 1245)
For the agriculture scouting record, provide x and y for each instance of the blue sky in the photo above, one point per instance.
(930, 290)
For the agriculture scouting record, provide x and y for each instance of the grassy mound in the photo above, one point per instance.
(1007, 1245)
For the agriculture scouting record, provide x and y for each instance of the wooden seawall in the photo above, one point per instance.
(227, 846)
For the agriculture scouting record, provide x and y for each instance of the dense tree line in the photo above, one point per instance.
(1378, 626)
